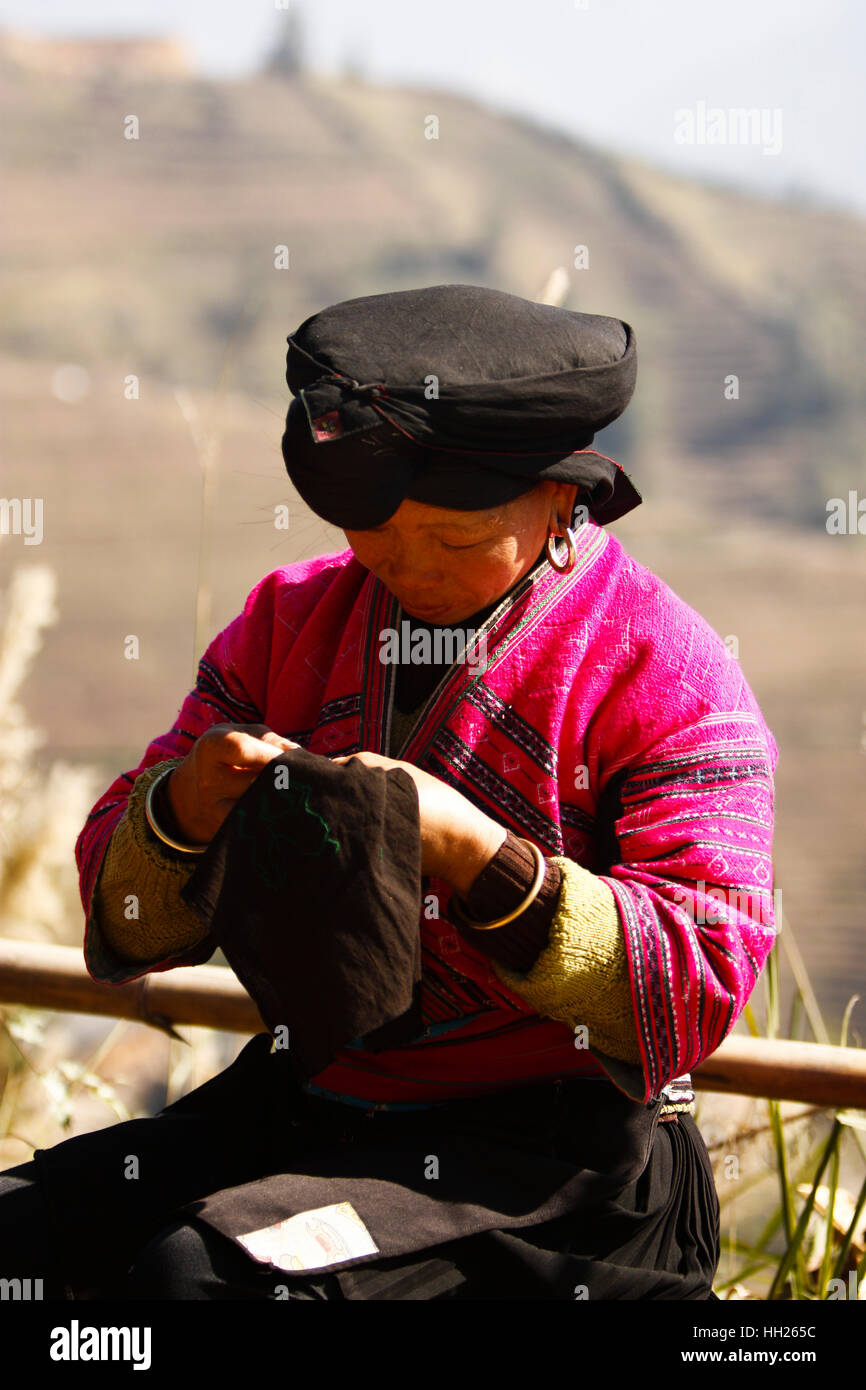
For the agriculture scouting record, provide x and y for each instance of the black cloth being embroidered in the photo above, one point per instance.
(455, 396)
(312, 889)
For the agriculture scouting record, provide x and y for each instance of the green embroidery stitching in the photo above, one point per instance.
(283, 824)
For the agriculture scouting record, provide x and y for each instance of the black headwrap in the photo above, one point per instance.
(456, 396)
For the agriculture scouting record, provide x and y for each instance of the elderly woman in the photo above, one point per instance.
(581, 866)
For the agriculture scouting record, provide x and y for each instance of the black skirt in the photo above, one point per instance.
(561, 1190)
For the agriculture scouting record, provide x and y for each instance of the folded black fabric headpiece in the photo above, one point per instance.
(312, 889)
(453, 395)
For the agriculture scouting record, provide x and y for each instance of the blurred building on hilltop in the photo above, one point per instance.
(94, 57)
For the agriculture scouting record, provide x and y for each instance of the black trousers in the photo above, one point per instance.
(101, 1215)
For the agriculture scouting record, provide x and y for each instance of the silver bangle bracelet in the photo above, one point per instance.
(463, 918)
(160, 834)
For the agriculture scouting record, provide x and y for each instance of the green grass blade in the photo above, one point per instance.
(745, 1273)
(849, 1234)
(846, 1018)
(789, 1259)
(751, 1024)
(802, 981)
(827, 1260)
(796, 1014)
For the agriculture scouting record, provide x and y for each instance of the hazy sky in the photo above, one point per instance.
(615, 72)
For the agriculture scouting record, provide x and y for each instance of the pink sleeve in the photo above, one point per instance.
(688, 769)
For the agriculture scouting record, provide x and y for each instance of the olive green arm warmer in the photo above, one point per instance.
(139, 874)
(581, 976)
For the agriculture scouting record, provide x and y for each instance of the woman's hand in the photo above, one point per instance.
(216, 771)
(457, 840)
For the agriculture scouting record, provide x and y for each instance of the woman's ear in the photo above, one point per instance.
(562, 503)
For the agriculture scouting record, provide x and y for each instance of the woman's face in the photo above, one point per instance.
(444, 565)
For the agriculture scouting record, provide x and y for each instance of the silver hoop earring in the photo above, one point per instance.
(571, 554)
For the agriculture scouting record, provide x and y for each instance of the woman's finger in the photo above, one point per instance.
(238, 749)
(368, 759)
(278, 740)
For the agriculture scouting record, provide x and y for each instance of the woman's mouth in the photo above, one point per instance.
(425, 613)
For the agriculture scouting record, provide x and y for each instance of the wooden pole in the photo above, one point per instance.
(54, 977)
(781, 1070)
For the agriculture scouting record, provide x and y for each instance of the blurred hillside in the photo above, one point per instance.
(158, 253)
(154, 257)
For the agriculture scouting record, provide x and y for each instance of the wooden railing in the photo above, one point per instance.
(54, 977)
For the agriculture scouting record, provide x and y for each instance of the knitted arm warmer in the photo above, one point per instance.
(139, 864)
(565, 955)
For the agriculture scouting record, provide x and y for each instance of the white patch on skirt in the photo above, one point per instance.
(312, 1239)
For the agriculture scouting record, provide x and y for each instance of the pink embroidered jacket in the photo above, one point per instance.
(606, 722)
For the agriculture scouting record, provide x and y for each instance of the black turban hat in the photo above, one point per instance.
(456, 396)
